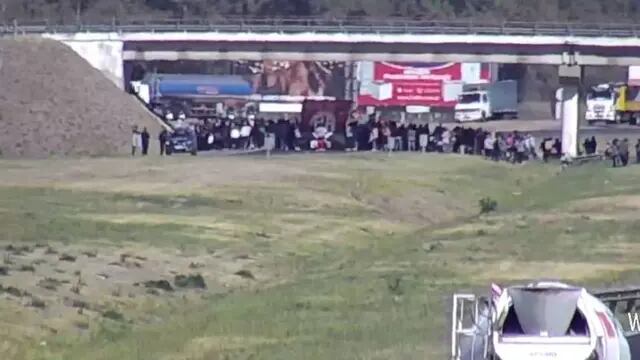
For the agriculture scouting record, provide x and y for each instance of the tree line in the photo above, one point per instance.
(71, 11)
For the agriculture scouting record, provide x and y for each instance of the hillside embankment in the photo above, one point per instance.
(54, 103)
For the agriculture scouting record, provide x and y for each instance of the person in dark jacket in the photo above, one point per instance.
(587, 146)
(145, 141)
(624, 151)
(496, 148)
(163, 137)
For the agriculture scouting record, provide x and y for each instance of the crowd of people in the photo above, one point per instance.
(140, 141)
(389, 136)
(377, 135)
(618, 152)
(374, 135)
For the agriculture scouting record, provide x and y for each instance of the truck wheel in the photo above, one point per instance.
(591, 122)
(194, 153)
(633, 120)
(483, 117)
(169, 151)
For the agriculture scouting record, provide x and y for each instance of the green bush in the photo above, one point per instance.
(488, 205)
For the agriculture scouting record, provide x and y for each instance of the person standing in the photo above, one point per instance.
(638, 152)
(373, 138)
(349, 137)
(144, 136)
(488, 145)
(423, 137)
(615, 153)
(624, 152)
(520, 148)
(136, 141)
(235, 136)
(270, 136)
(496, 148)
(163, 137)
(245, 136)
(546, 146)
(411, 138)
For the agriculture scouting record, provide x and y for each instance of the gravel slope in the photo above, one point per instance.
(52, 102)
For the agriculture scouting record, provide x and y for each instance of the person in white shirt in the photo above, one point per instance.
(488, 145)
(446, 140)
(446, 137)
(235, 136)
(298, 138)
(531, 144)
(136, 140)
(423, 139)
(245, 133)
(373, 138)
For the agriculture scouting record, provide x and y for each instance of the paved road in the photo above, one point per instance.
(610, 131)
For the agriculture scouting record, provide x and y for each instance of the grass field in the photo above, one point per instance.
(352, 256)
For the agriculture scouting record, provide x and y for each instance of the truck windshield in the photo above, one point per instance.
(469, 98)
(600, 95)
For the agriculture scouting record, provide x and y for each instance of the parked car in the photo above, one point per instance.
(182, 140)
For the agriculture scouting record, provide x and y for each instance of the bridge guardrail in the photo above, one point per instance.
(320, 25)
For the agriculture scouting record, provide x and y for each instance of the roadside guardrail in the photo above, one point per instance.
(325, 25)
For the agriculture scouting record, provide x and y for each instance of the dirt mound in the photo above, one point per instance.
(52, 102)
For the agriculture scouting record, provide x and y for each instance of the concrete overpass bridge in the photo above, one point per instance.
(109, 47)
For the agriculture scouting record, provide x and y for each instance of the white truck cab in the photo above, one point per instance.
(473, 106)
(601, 104)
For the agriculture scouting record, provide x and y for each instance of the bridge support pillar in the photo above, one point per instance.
(570, 80)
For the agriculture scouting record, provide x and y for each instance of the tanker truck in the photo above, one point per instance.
(535, 321)
(195, 95)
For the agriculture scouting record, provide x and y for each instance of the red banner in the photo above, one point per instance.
(384, 71)
(426, 84)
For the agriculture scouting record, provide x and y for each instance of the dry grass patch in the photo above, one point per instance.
(522, 270)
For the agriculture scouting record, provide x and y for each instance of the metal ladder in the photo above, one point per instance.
(467, 307)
